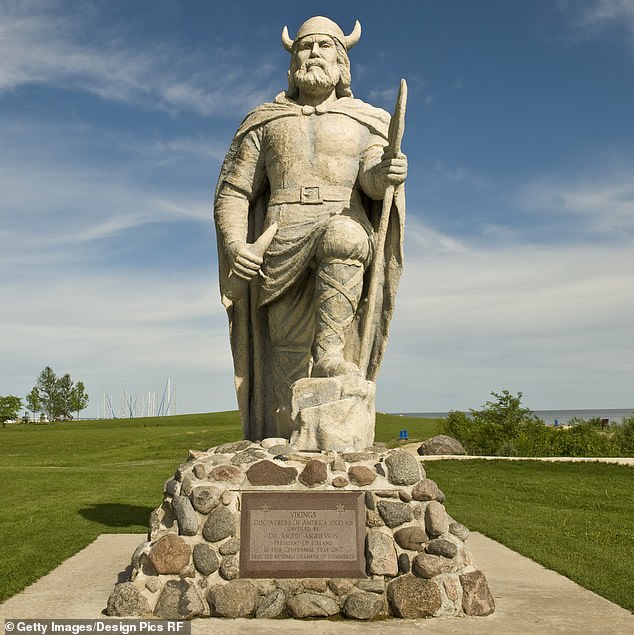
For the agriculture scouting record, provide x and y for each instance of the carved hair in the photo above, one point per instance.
(342, 89)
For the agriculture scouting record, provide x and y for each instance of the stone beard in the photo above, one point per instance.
(312, 164)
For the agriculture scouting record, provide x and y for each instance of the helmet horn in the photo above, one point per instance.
(353, 38)
(287, 43)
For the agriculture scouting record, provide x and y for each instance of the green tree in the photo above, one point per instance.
(9, 408)
(33, 402)
(48, 389)
(79, 398)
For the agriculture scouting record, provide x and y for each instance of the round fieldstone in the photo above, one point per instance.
(186, 486)
(127, 601)
(442, 547)
(220, 524)
(370, 503)
(199, 471)
(378, 468)
(476, 595)
(271, 605)
(411, 538)
(436, 519)
(459, 531)
(233, 446)
(272, 442)
(340, 586)
(357, 457)
(227, 474)
(428, 566)
(205, 497)
(441, 444)
(268, 473)
(179, 600)
(315, 472)
(250, 455)
(230, 569)
(361, 475)
(185, 516)
(315, 584)
(205, 559)
(172, 487)
(402, 469)
(236, 599)
(412, 597)
(170, 554)
(425, 490)
(280, 450)
(381, 553)
(373, 518)
(363, 606)
(312, 605)
(404, 564)
(338, 465)
(371, 585)
(230, 547)
(394, 513)
(340, 481)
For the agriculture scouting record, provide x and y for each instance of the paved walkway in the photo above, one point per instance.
(547, 459)
(530, 600)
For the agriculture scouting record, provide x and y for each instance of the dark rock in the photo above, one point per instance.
(172, 487)
(425, 490)
(271, 605)
(186, 486)
(378, 468)
(459, 531)
(234, 446)
(220, 524)
(205, 497)
(403, 469)
(340, 481)
(381, 553)
(442, 547)
(170, 554)
(227, 474)
(363, 606)
(127, 601)
(179, 600)
(436, 519)
(230, 568)
(411, 538)
(230, 547)
(369, 501)
(312, 605)
(315, 472)
(280, 450)
(394, 513)
(361, 475)
(412, 597)
(427, 566)
(236, 599)
(476, 595)
(205, 559)
(338, 465)
(403, 564)
(268, 473)
(185, 516)
(441, 444)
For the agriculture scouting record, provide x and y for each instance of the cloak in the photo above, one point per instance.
(248, 325)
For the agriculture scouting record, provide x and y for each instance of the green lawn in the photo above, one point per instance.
(65, 484)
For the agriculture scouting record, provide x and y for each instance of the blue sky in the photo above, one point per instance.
(114, 118)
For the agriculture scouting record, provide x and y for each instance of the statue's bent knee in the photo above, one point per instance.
(344, 238)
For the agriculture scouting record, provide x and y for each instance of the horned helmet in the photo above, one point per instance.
(320, 25)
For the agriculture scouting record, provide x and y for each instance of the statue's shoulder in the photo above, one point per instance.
(377, 119)
(281, 106)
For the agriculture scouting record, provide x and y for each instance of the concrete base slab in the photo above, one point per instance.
(529, 599)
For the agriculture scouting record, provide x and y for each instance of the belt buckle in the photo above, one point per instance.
(309, 195)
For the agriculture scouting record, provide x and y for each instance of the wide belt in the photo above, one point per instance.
(310, 195)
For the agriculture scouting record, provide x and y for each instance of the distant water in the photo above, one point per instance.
(562, 417)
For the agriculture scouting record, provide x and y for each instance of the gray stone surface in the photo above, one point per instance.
(436, 519)
(441, 444)
(312, 605)
(272, 605)
(233, 446)
(380, 553)
(185, 516)
(363, 606)
(230, 547)
(205, 497)
(441, 547)
(220, 524)
(425, 490)
(126, 600)
(413, 597)
(402, 468)
(236, 599)
(411, 538)
(179, 600)
(230, 568)
(394, 513)
(250, 455)
(459, 530)
(205, 559)
(428, 566)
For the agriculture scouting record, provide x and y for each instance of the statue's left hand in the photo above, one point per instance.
(393, 169)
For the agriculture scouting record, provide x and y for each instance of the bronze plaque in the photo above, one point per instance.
(302, 535)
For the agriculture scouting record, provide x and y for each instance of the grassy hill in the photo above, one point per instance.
(67, 483)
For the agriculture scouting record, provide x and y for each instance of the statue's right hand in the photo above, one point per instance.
(243, 260)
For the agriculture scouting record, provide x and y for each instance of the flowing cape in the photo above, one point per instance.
(248, 326)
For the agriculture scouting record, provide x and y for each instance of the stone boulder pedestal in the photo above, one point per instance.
(333, 413)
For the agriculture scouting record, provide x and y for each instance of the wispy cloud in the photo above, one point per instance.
(39, 44)
(590, 17)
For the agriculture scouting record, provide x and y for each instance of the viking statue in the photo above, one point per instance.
(297, 208)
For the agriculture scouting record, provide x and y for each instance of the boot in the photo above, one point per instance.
(337, 293)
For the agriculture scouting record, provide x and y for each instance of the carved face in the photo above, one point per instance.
(315, 63)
